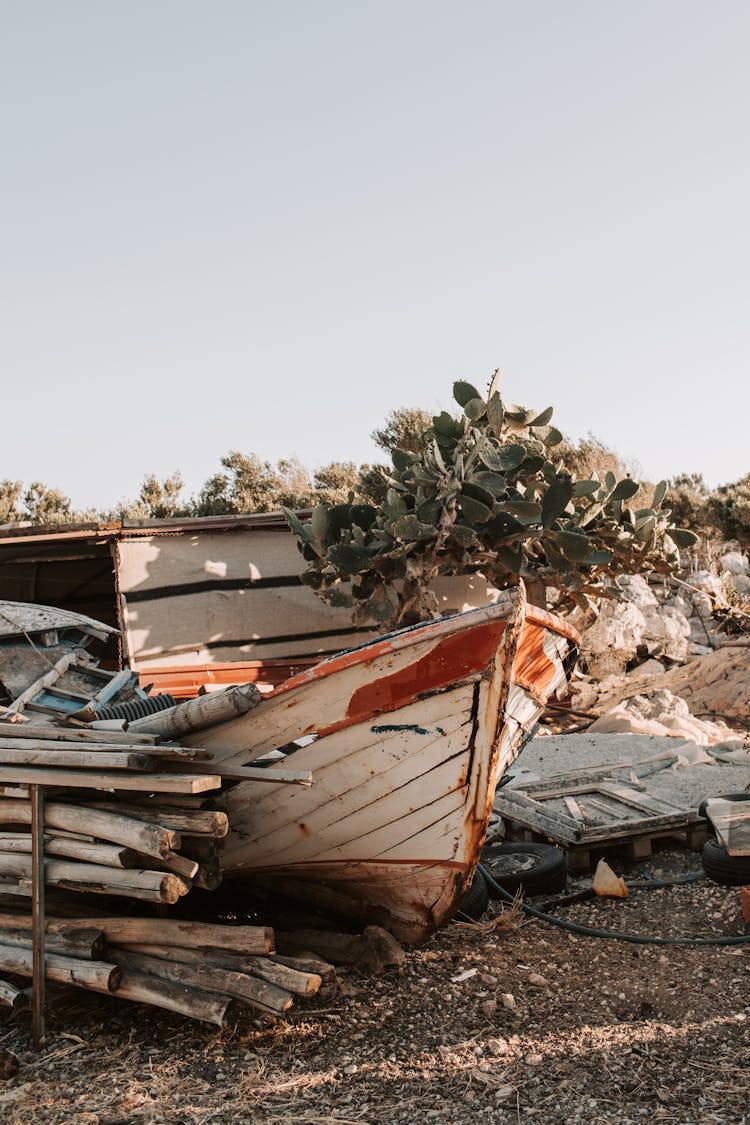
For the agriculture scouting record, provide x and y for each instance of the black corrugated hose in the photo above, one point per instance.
(590, 931)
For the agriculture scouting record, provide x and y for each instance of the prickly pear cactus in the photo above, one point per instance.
(485, 494)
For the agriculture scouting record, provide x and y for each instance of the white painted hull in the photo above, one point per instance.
(408, 737)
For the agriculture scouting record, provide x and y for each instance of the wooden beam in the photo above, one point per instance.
(89, 779)
(75, 759)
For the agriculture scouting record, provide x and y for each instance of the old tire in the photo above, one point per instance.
(535, 869)
(476, 900)
(728, 870)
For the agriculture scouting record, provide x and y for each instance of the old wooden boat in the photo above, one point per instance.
(406, 737)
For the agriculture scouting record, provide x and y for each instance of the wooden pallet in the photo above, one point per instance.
(590, 812)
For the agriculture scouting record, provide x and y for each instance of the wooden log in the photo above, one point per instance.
(13, 888)
(12, 999)
(178, 864)
(150, 839)
(14, 791)
(91, 779)
(196, 1003)
(107, 854)
(99, 976)
(200, 822)
(85, 942)
(259, 993)
(307, 962)
(97, 879)
(372, 949)
(121, 930)
(75, 759)
(199, 713)
(285, 977)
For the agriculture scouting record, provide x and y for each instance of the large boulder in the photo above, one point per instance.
(612, 641)
(627, 628)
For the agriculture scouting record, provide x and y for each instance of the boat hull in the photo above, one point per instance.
(406, 738)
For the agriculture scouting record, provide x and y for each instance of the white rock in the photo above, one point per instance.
(668, 629)
(613, 638)
(734, 562)
(636, 589)
(704, 580)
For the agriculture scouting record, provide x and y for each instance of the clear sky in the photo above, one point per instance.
(263, 225)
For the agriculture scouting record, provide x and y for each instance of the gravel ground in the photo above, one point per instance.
(505, 1021)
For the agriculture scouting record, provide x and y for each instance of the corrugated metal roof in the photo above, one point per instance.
(125, 529)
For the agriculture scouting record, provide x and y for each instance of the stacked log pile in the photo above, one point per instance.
(196, 969)
(129, 815)
(93, 841)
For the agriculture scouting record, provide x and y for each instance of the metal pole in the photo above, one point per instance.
(36, 793)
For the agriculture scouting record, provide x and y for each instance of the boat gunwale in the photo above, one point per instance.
(437, 629)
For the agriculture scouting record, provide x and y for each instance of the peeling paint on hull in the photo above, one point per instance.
(407, 738)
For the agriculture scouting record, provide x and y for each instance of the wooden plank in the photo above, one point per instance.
(90, 779)
(628, 796)
(574, 808)
(545, 825)
(267, 775)
(731, 820)
(643, 827)
(509, 800)
(74, 759)
(148, 750)
(49, 733)
(352, 776)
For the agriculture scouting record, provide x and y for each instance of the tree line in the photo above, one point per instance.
(245, 483)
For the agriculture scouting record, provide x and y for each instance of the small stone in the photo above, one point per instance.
(351, 1069)
(488, 1008)
(508, 1000)
(537, 979)
(498, 1046)
(534, 1059)
(502, 1093)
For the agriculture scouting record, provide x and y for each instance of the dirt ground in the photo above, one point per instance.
(498, 1022)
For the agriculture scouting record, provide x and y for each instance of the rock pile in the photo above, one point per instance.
(661, 662)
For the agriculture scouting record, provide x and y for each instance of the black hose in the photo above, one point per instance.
(137, 708)
(589, 931)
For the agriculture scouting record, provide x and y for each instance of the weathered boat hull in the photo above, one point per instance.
(406, 738)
